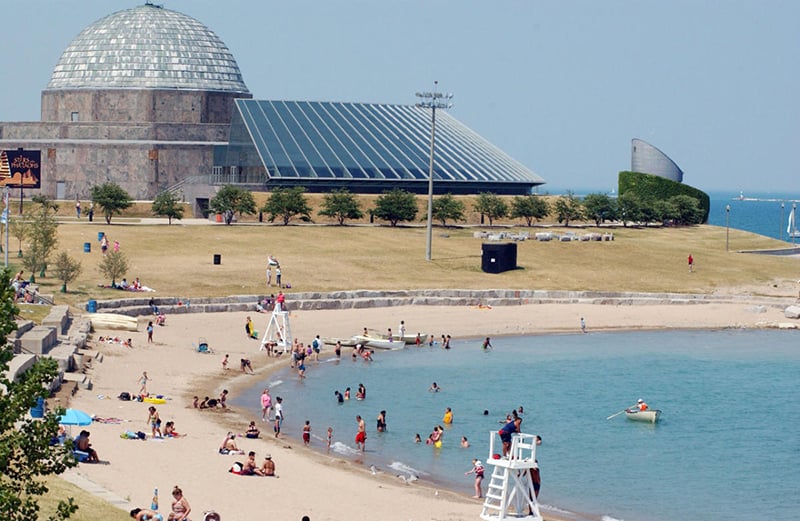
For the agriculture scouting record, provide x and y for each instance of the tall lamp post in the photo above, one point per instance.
(781, 223)
(727, 226)
(794, 227)
(432, 100)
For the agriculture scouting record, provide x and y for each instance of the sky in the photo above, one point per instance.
(562, 86)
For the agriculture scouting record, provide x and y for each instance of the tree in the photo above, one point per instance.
(111, 199)
(231, 200)
(341, 205)
(687, 209)
(287, 203)
(529, 207)
(20, 228)
(396, 205)
(25, 450)
(567, 209)
(448, 207)
(599, 207)
(491, 206)
(114, 265)
(167, 204)
(67, 269)
(43, 236)
(629, 208)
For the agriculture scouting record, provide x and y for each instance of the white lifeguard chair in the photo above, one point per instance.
(510, 493)
(279, 331)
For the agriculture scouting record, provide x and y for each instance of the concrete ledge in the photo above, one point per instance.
(39, 340)
(58, 318)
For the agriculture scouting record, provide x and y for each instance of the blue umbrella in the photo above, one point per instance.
(75, 417)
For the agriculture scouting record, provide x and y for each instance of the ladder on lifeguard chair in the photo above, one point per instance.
(279, 331)
(510, 494)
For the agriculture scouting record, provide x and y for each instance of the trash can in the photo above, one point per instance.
(217, 258)
(100, 236)
(87, 247)
(37, 411)
(91, 306)
(219, 218)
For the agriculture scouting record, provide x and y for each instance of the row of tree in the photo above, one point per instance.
(399, 205)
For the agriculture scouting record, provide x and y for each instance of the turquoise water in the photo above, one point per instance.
(727, 447)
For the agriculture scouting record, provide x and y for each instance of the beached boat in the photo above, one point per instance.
(407, 339)
(378, 343)
(113, 321)
(346, 342)
(650, 415)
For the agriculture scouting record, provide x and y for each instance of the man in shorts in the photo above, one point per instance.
(361, 435)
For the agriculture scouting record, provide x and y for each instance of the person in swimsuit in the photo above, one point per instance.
(381, 421)
(307, 433)
(145, 514)
(180, 507)
(477, 469)
(361, 435)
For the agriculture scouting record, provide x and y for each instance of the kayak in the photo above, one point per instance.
(650, 415)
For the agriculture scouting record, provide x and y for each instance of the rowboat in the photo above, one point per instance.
(378, 343)
(650, 415)
(407, 339)
(346, 342)
(113, 321)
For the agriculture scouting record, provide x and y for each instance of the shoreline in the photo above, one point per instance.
(192, 462)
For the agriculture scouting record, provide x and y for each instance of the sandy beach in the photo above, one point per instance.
(326, 488)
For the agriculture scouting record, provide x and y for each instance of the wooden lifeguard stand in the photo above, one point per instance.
(279, 331)
(510, 492)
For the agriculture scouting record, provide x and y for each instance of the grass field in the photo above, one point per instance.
(177, 260)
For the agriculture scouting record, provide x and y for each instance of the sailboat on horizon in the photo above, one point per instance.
(791, 228)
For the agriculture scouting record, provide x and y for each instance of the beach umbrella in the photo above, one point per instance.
(74, 417)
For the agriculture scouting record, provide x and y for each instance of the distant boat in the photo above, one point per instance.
(649, 415)
(791, 229)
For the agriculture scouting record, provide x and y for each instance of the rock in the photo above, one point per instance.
(792, 312)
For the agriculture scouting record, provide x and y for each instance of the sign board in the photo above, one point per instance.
(21, 168)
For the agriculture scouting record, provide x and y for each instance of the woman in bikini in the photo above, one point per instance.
(180, 507)
(155, 421)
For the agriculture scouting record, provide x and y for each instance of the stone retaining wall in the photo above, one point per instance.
(359, 299)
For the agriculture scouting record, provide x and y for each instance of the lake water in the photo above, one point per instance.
(759, 213)
(727, 447)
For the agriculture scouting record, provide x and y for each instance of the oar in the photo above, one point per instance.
(617, 414)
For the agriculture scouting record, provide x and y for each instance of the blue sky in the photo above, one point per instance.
(562, 86)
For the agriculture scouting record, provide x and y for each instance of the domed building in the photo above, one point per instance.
(140, 98)
(152, 100)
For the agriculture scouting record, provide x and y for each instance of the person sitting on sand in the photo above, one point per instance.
(82, 444)
(250, 466)
(229, 445)
(161, 319)
(252, 431)
(268, 467)
(169, 430)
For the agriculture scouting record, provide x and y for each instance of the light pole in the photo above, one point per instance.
(432, 100)
(727, 226)
(794, 227)
(781, 223)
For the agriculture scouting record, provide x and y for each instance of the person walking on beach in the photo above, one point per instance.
(278, 275)
(583, 325)
(477, 469)
(155, 421)
(266, 405)
(278, 416)
(143, 383)
(150, 332)
(691, 263)
(78, 208)
(307, 433)
(330, 436)
(361, 435)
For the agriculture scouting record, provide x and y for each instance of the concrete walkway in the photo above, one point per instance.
(72, 476)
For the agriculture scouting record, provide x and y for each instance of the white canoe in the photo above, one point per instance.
(650, 415)
(407, 339)
(346, 342)
(378, 343)
(113, 321)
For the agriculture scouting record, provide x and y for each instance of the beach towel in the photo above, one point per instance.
(237, 468)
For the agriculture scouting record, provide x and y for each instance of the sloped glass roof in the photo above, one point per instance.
(325, 141)
(147, 47)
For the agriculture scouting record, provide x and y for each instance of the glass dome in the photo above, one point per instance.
(147, 47)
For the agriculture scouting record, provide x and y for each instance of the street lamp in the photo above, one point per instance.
(727, 225)
(794, 227)
(780, 227)
(432, 100)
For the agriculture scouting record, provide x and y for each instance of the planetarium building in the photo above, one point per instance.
(153, 100)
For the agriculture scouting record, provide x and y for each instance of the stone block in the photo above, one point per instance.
(58, 318)
(39, 340)
(792, 312)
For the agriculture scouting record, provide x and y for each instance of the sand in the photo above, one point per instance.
(320, 486)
